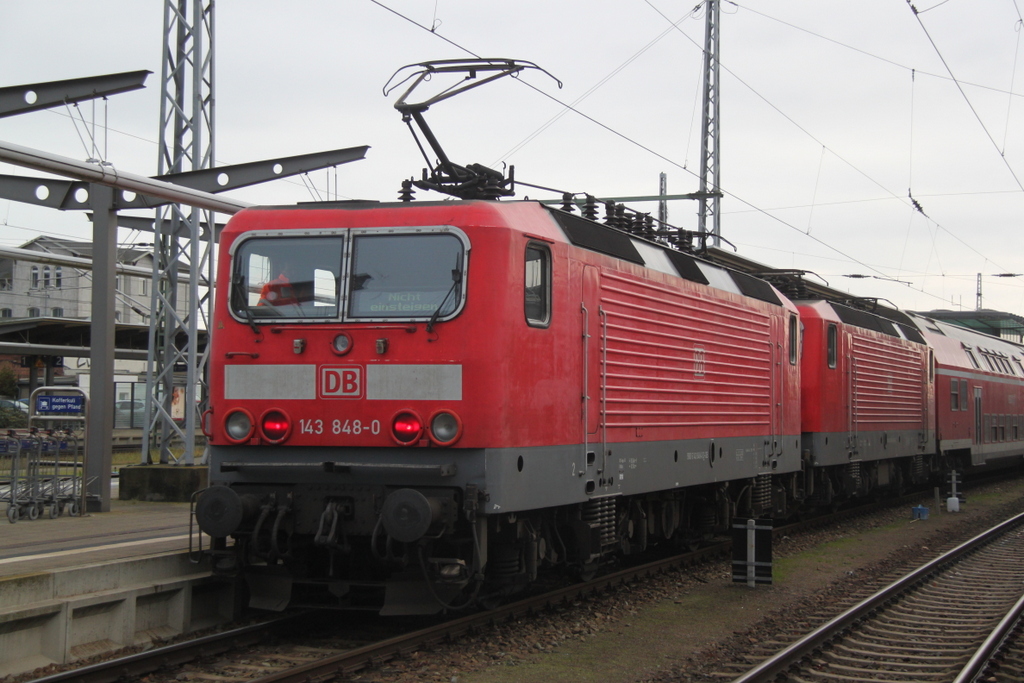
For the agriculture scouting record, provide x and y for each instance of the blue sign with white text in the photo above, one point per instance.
(60, 404)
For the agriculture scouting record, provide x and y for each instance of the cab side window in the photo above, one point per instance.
(537, 285)
(833, 338)
(793, 340)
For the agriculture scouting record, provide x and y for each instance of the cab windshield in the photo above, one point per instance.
(405, 276)
(288, 277)
(389, 276)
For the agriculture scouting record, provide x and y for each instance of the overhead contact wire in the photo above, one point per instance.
(682, 167)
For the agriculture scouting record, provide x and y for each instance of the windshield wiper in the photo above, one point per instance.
(456, 280)
(252, 321)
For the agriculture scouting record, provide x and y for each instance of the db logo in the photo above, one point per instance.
(341, 381)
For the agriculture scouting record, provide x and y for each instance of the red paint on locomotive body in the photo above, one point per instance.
(668, 359)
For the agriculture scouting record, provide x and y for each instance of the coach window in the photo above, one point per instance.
(954, 395)
(963, 392)
(537, 286)
(832, 341)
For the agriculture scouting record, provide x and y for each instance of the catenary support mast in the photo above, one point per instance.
(709, 216)
(176, 369)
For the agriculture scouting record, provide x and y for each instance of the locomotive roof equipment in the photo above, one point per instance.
(474, 181)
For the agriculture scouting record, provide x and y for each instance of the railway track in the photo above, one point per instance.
(339, 650)
(943, 621)
(344, 651)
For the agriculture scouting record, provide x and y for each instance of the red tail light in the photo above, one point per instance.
(275, 425)
(407, 428)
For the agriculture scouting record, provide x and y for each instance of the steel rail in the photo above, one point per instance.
(370, 655)
(980, 660)
(797, 651)
(376, 653)
(172, 655)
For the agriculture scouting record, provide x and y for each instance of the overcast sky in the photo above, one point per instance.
(832, 113)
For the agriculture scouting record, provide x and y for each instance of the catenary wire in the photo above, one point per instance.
(959, 87)
(634, 142)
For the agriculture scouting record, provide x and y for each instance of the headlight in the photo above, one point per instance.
(445, 428)
(342, 344)
(238, 425)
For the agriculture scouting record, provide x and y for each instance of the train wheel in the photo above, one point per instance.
(12, 513)
(33, 512)
(588, 571)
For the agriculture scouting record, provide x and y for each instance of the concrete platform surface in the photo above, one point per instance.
(130, 529)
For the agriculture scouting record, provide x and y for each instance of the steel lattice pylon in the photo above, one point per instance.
(180, 310)
(710, 180)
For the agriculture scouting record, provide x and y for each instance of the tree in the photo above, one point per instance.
(8, 381)
(12, 418)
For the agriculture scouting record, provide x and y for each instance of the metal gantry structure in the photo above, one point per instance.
(709, 215)
(176, 367)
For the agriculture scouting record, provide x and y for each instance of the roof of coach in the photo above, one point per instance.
(961, 347)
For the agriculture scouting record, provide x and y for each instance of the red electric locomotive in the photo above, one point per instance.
(414, 405)
(867, 397)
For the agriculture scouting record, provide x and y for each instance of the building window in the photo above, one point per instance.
(35, 277)
(6, 313)
(537, 287)
(57, 312)
(117, 316)
(33, 312)
(58, 276)
(46, 277)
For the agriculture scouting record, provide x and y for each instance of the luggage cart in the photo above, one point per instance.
(68, 484)
(61, 476)
(25, 497)
(13, 491)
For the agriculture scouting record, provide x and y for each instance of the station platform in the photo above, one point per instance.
(131, 529)
(76, 587)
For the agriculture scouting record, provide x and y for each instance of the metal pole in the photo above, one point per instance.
(710, 180)
(101, 372)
